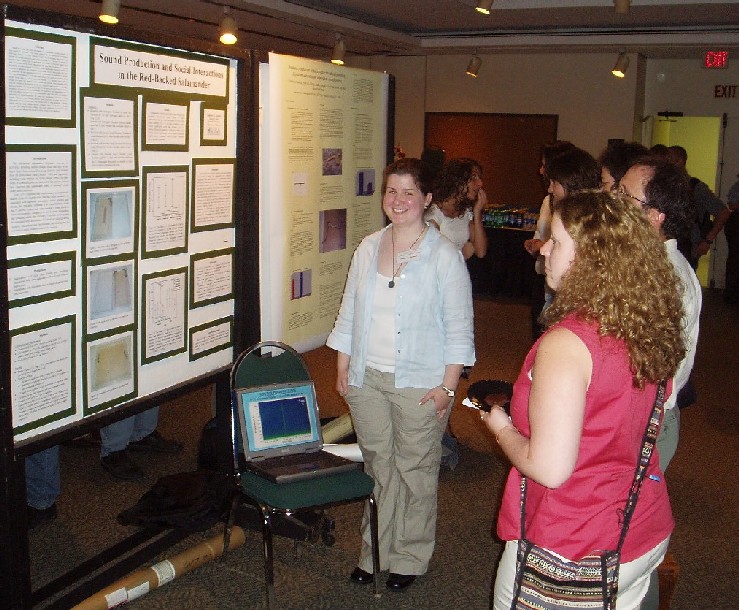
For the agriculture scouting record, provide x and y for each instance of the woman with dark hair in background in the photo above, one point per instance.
(616, 159)
(566, 169)
(540, 295)
(457, 207)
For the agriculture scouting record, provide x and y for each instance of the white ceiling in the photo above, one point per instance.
(664, 28)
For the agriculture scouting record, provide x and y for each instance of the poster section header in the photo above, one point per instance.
(125, 66)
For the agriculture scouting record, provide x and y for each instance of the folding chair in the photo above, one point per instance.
(274, 362)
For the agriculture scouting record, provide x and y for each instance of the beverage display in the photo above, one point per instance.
(510, 218)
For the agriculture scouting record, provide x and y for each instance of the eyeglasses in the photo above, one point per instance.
(622, 191)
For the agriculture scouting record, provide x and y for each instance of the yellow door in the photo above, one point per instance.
(700, 136)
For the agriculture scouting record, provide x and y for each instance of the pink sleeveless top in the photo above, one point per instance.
(583, 514)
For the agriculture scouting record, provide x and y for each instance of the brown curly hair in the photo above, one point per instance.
(621, 279)
(451, 183)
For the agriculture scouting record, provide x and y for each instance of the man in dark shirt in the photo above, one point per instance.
(706, 205)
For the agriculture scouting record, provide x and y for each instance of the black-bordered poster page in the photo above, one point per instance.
(120, 168)
(42, 364)
(165, 314)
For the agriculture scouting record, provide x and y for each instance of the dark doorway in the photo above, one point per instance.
(507, 146)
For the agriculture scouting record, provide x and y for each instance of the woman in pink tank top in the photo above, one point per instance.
(585, 392)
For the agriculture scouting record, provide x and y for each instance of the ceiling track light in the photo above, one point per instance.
(622, 6)
(337, 57)
(622, 63)
(474, 66)
(109, 11)
(483, 6)
(228, 28)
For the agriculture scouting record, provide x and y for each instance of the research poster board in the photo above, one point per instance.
(323, 150)
(120, 166)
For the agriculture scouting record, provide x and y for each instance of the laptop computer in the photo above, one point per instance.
(281, 433)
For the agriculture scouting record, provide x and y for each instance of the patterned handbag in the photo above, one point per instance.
(546, 581)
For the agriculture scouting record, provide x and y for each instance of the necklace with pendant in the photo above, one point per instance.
(391, 283)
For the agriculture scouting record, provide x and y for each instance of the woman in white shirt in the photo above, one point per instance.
(403, 334)
(459, 201)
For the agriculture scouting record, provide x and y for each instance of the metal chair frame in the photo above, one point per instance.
(268, 511)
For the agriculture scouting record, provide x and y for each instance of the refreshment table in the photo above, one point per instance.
(507, 269)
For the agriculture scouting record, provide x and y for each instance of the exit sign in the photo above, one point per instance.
(716, 59)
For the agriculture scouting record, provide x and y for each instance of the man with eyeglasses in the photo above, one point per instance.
(661, 189)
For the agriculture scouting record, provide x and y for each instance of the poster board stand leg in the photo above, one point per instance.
(129, 554)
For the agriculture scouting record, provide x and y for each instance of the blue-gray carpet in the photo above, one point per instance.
(702, 480)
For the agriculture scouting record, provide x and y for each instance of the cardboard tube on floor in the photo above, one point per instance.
(338, 428)
(141, 582)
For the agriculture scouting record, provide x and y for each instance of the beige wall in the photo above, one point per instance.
(591, 104)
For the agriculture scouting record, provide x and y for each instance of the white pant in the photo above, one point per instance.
(633, 577)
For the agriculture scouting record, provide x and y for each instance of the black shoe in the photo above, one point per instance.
(121, 466)
(362, 577)
(398, 582)
(157, 443)
(39, 516)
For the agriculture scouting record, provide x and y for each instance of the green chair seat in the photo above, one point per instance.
(334, 489)
(273, 362)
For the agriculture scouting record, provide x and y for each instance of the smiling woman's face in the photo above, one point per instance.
(403, 201)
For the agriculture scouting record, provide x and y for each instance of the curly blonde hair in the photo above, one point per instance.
(622, 279)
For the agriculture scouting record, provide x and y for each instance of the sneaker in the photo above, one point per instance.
(39, 516)
(121, 466)
(157, 443)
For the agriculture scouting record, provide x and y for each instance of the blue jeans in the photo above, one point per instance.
(116, 437)
(43, 480)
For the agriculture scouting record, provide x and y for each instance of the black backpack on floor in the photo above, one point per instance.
(194, 501)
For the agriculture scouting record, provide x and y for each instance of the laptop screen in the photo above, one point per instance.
(278, 419)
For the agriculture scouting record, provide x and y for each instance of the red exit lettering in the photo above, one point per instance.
(716, 59)
(724, 91)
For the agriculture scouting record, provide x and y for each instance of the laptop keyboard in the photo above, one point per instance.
(298, 458)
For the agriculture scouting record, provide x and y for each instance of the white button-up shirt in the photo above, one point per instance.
(692, 302)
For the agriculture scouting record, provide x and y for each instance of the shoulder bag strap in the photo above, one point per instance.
(645, 455)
